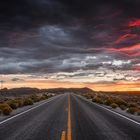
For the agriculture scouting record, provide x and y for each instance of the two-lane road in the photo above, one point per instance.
(69, 117)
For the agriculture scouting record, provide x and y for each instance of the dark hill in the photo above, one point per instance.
(27, 90)
(73, 90)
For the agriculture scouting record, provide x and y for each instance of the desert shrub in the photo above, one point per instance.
(19, 102)
(0, 111)
(35, 98)
(7, 110)
(123, 107)
(44, 97)
(138, 112)
(114, 105)
(132, 105)
(13, 105)
(98, 100)
(93, 100)
(28, 101)
(108, 101)
(3, 105)
(120, 102)
(49, 96)
(88, 96)
(132, 110)
(102, 100)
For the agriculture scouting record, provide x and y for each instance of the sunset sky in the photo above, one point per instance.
(70, 43)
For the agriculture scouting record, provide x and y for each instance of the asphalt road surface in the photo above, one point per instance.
(69, 117)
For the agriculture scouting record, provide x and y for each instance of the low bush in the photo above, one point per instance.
(120, 102)
(3, 105)
(0, 111)
(123, 107)
(108, 102)
(132, 105)
(13, 105)
(19, 102)
(7, 110)
(28, 101)
(138, 112)
(132, 110)
(93, 100)
(88, 96)
(114, 105)
(35, 98)
(45, 96)
(98, 100)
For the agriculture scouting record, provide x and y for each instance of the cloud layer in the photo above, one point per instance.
(53, 36)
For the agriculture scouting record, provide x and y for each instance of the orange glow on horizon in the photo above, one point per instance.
(120, 86)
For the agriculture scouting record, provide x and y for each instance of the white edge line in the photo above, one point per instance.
(112, 111)
(32, 108)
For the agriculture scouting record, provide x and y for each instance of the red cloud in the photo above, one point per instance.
(124, 37)
(133, 50)
(134, 23)
(136, 68)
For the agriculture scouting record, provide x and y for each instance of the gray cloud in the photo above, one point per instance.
(43, 36)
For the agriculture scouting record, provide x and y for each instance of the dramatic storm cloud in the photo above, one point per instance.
(61, 38)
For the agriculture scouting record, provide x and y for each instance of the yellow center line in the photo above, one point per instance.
(63, 135)
(69, 121)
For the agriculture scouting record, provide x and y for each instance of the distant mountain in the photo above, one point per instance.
(19, 91)
(27, 90)
(73, 90)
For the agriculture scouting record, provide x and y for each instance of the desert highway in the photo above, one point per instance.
(69, 117)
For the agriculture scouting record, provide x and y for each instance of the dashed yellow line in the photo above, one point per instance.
(63, 135)
(69, 121)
